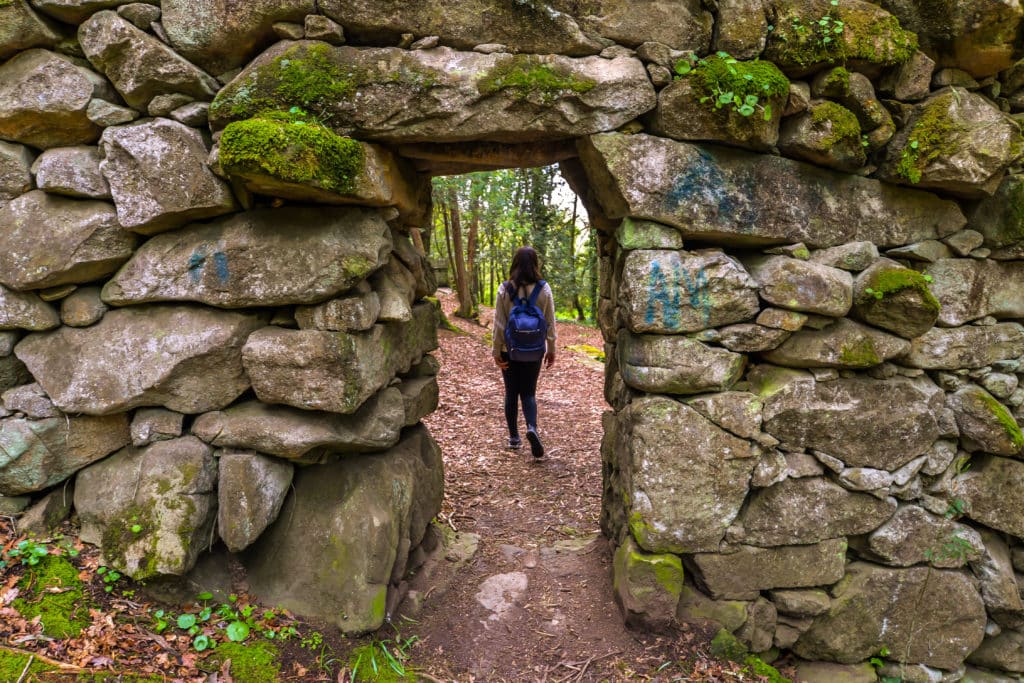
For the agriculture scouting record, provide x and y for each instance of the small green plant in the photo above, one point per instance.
(741, 87)
(956, 508)
(368, 662)
(876, 661)
(110, 577)
(29, 552)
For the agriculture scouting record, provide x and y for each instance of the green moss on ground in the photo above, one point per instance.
(294, 148)
(368, 663)
(12, 665)
(255, 662)
(727, 646)
(526, 75)
(52, 591)
(842, 122)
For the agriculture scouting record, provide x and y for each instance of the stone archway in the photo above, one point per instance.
(793, 412)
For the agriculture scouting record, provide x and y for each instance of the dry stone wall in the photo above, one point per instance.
(214, 320)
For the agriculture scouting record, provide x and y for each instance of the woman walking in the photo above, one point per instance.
(521, 368)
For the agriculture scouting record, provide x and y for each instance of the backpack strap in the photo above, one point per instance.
(536, 291)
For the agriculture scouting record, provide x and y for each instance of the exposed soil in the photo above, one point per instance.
(534, 603)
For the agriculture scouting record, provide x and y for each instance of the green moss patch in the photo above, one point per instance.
(892, 281)
(528, 75)
(1003, 417)
(52, 591)
(932, 135)
(727, 646)
(257, 662)
(842, 122)
(859, 354)
(293, 148)
(369, 663)
(12, 664)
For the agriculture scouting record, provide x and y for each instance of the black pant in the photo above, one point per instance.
(520, 384)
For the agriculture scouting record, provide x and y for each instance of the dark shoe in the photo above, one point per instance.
(515, 443)
(536, 447)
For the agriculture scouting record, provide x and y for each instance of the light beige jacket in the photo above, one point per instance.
(503, 306)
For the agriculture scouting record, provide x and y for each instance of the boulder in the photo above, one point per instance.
(915, 536)
(748, 338)
(75, 11)
(737, 198)
(985, 423)
(527, 27)
(46, 240)
(910, 81)
(37, 454)
(13, 373)
(978, 37)
(877, 606)
(664, 291)
(420, 396)
(738, 412)
(994, 571)
(800, 603)
(695, 607)
(830, 672)
(367, 512)
(679, 25)
(646, 586)
(159, 178)
(354, 312)
(895, 298)
(264, 257)
(183, 358)
(45, 516)
(306, 162)
(304, 435)
(139, 65)
(25, 311)
(688, 108)
(742, 28)
(853, 256)
(441, 95)
(864, 422)
(803, 511)
(745, 569)
(806, 38)
(82, 308)
(971, 346)
(827, 134)
(250, 492)
(152, 509)
(21, 28)
(798, 285)
(955, 141)
(335, 371)
(671, 364)
(44, 97)
(846, 344)
(968, 289)
(685, 478)
(1002, 652)
(72, 171)
(988, 490)
(15, 165)
(395, 287)
(221, 36)
(640, 234)
(155, 424)
(998, 218)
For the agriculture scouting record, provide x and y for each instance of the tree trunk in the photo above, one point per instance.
(471, 249)
(465, 309)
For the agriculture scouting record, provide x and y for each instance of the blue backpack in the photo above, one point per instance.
(526, 330)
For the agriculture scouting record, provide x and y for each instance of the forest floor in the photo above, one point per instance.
(530, 598)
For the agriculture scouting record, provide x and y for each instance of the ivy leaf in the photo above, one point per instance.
(750, 99)
(186, 621)
(201, 642)
(683, 67)
(725, 98)
(237, 631)
(745, 110)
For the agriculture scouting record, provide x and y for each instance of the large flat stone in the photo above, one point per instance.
(672, 364)
(971, 346)
(751, 569)
(915, 536)
(47, 241)
(37, 454)
(72, 171)
(844, 344)
(969, 289)
(184, 358)
(305, 435)
(44, 97)
(685, 478)
(669, 291)
(875, 606)
(990, 490)
(799, 511)
(138, 64)
(863, 422)
(806, 286)
(265, 257)
(344, 534)
(335, 371)
(734, 197)
(159, 177)
(441, 95)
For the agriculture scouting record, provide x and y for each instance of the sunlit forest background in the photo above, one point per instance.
(480, 219)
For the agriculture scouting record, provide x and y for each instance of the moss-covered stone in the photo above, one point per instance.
(527, 75)
(63, 612)
(292, 147)
(647, 585)
(929, 137)
(842, 122)
(888, 282)
(720, 74)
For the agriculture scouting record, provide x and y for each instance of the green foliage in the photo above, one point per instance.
(52, 591)
(382, 661)
(229, 621)
(526, 75)
(293, 147)
(876, 661)
(890, 282)
(110, 577)
(29, 552)
(257, 662)
(741, 87)
(955, 548)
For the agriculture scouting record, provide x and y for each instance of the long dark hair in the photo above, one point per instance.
(525, 269)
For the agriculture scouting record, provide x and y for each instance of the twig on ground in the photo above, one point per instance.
(28, 665)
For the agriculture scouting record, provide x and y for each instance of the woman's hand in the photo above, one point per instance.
(499, 361)
(549, 359)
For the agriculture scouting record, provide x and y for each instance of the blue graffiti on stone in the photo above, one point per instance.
(197, 262)
(703, 190)
(220, 266)
(663, 294)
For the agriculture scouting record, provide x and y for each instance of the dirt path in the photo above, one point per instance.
(535, 603)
